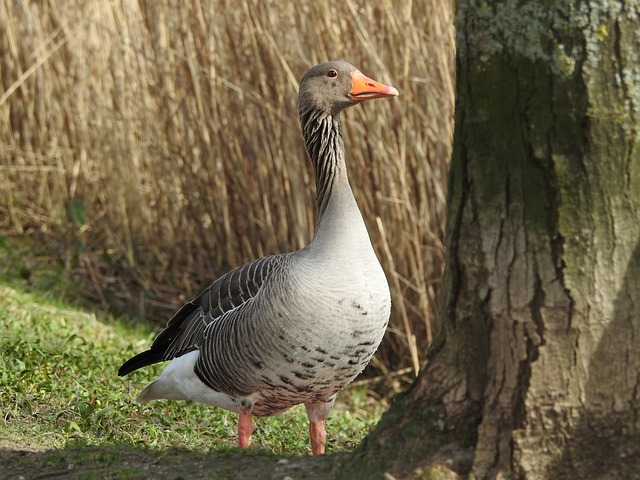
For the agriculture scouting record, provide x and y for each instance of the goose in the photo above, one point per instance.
(292, 328)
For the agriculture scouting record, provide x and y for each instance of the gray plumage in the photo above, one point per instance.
(290, 328)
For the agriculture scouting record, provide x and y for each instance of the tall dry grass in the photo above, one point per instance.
(153, 145)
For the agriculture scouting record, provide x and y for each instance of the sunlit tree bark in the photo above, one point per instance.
(535, 371)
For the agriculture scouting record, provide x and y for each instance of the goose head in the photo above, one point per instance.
(330, 87)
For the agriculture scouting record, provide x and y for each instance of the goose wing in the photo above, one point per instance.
(185, 331)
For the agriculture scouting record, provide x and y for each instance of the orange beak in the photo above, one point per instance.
(366, 89)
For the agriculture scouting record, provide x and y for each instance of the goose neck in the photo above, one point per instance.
(339, 220)
(323, 139)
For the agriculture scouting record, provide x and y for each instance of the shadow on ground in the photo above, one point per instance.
(26, 462)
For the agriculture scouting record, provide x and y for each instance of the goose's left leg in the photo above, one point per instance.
(318, 413)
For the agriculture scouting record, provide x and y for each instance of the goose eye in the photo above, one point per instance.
(332, 73)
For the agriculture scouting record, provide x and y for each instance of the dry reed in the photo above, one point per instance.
(173, 125)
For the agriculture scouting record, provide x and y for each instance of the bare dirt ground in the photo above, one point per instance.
(25, 461)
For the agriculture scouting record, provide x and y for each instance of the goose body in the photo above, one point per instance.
(290, 328)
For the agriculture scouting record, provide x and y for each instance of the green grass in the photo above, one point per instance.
(59, 384)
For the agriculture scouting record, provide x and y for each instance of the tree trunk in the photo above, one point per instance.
(535, 372)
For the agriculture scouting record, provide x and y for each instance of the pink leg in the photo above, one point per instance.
(245, 429)
(318, 436)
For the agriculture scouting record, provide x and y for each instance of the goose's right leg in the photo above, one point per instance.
(317, 436)
(245, 429)
(318, 413)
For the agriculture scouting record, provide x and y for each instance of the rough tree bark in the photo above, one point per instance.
(535, 372)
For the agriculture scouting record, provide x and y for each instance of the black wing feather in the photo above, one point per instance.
(185, 330)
